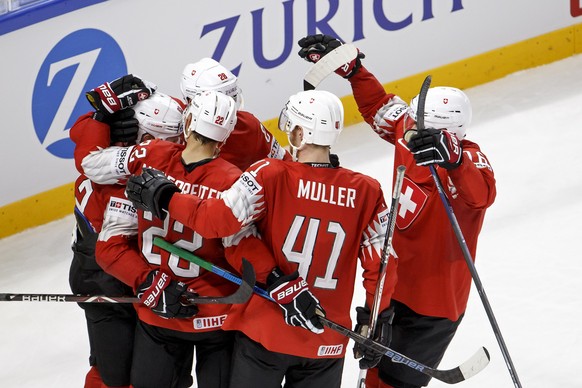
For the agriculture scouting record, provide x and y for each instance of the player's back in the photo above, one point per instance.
(206, 180)
(315, 220)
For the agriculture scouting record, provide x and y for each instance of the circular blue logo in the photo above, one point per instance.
(79, 62)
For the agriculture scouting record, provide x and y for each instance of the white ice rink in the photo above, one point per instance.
(529, 124)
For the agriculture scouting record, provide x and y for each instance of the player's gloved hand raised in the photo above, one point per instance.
(435, 146)
(119, 94)
(151, 191)
(383, 334)
(314, 47)
(166, 297)
(123, 126)
(299, 305)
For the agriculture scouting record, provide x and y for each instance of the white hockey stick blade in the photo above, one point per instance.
(475, 364)
(328, 64)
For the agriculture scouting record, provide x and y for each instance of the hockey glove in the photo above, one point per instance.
(166, 297)
(436, 146)
(334, 160)
(123, 126)
(151, 191)
(383, 334)
(299, 305)
(314, 47)
(119, 94)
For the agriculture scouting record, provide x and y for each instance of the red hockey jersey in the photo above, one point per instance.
(250, 141)
(131, 259)
(316, 220)
(433, 277)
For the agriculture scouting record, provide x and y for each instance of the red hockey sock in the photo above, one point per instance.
(93, 378)
(373, 381)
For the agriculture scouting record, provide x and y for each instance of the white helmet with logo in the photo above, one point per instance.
(446, 108)
(160, 116)
(320, 114)
(207, 74)
(210, 114)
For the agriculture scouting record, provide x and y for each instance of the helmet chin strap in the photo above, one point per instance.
(295, 150)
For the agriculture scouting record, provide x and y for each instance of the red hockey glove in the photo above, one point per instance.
(436, 146)
(299, 305)
(314, 47)
(383, 334)
(166, 297)
(151, 191)
(119, 94)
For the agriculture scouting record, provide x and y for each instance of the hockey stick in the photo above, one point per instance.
(328, 64)
(383, 263)
(468, 369)
(463, 244)
(241, 295)
(5, 297)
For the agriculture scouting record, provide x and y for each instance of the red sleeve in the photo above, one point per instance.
(371, 255)
(474, 178)
(254, 250)
(211, 218)
(88, 135)
(368, 93)
(120, 257)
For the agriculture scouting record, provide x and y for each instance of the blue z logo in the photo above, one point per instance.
(81, 61)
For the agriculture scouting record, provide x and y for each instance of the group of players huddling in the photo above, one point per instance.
(206, 176)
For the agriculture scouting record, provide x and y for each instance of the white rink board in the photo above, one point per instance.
(47, 66)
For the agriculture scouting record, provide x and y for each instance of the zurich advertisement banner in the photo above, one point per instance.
(47, 67)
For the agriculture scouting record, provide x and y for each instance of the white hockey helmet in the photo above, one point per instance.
(160, 116)
(446, 108)
(320, 114)
(207, 74)
(210, 114)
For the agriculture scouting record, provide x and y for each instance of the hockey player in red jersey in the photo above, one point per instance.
(433, 279)
(195, 169)
(249, 133)
(110, 327)
(317, 220)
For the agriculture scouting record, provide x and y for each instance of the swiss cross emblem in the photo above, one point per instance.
(314, 57)
(412, 200)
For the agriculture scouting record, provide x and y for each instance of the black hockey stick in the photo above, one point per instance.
(383, 263)
(468, 369)
(241, 295)
(5, 297)
(462, 243)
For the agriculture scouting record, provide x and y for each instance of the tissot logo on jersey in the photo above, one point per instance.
(121, 159)
(122, 208)
(383, 218)
(250, 183)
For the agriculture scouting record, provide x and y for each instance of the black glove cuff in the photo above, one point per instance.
(100, 116)
(164, 196)
(277, 277)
